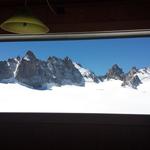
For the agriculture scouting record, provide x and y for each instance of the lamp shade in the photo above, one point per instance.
(24, 23)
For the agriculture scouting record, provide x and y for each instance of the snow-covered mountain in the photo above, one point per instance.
(131, 79)
(69, 87)
(38, 74)
(88, 75)
(34, 73)
(144, 74)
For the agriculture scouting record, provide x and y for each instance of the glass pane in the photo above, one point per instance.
(76, 76)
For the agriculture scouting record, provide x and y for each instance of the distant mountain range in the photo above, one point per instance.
(38, 74)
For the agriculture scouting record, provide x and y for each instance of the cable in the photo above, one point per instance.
(51, 8)
(25, 3)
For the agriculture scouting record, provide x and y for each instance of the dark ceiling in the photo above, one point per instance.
(84, 15)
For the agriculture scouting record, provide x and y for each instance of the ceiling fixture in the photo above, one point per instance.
(23, 22)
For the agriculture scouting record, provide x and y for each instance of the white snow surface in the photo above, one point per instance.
(105, 97)
(26, 58)
(18, 63)
(144, 74)
(84, 72)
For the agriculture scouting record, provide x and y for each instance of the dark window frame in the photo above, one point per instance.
(104, 119)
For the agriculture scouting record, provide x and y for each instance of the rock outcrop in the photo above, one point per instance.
(131, 79)
(38, 74)
(115, 73)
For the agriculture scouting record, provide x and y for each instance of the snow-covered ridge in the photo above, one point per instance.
(26, 58)
(17, 65)
(38, 74)
(88, 75)
(144, 74)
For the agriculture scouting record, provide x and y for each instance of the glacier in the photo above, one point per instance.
(106, 97)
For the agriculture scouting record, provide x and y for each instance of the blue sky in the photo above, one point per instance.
(98, 55)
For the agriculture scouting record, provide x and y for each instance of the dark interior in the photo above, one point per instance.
(83, 15)
(76, 131)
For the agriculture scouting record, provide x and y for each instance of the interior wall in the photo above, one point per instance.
(79, 16)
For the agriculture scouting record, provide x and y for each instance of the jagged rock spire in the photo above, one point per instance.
(29, 56)
(115, 73)
(131, 79)
(36, 73)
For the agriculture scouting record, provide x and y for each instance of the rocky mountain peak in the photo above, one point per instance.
(29, 56)
(115, 73)
(35, 73)
(18, 58)
(115, 67)
(67, 60)
(131, 79)
(133, 71)
(5, 72)
(30, 53)
(38, 74)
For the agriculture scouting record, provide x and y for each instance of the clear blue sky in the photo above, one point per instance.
(97, 55)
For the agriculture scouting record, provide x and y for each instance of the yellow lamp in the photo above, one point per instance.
(24, 23)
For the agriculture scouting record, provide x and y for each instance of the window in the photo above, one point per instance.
(87, 75)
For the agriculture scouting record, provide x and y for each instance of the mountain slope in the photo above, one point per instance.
(88, 75)
(105, 97)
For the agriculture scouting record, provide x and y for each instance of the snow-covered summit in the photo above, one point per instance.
(29, 56)
(144, 74)
(135, 77)
(88, 75)
(39, 74)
